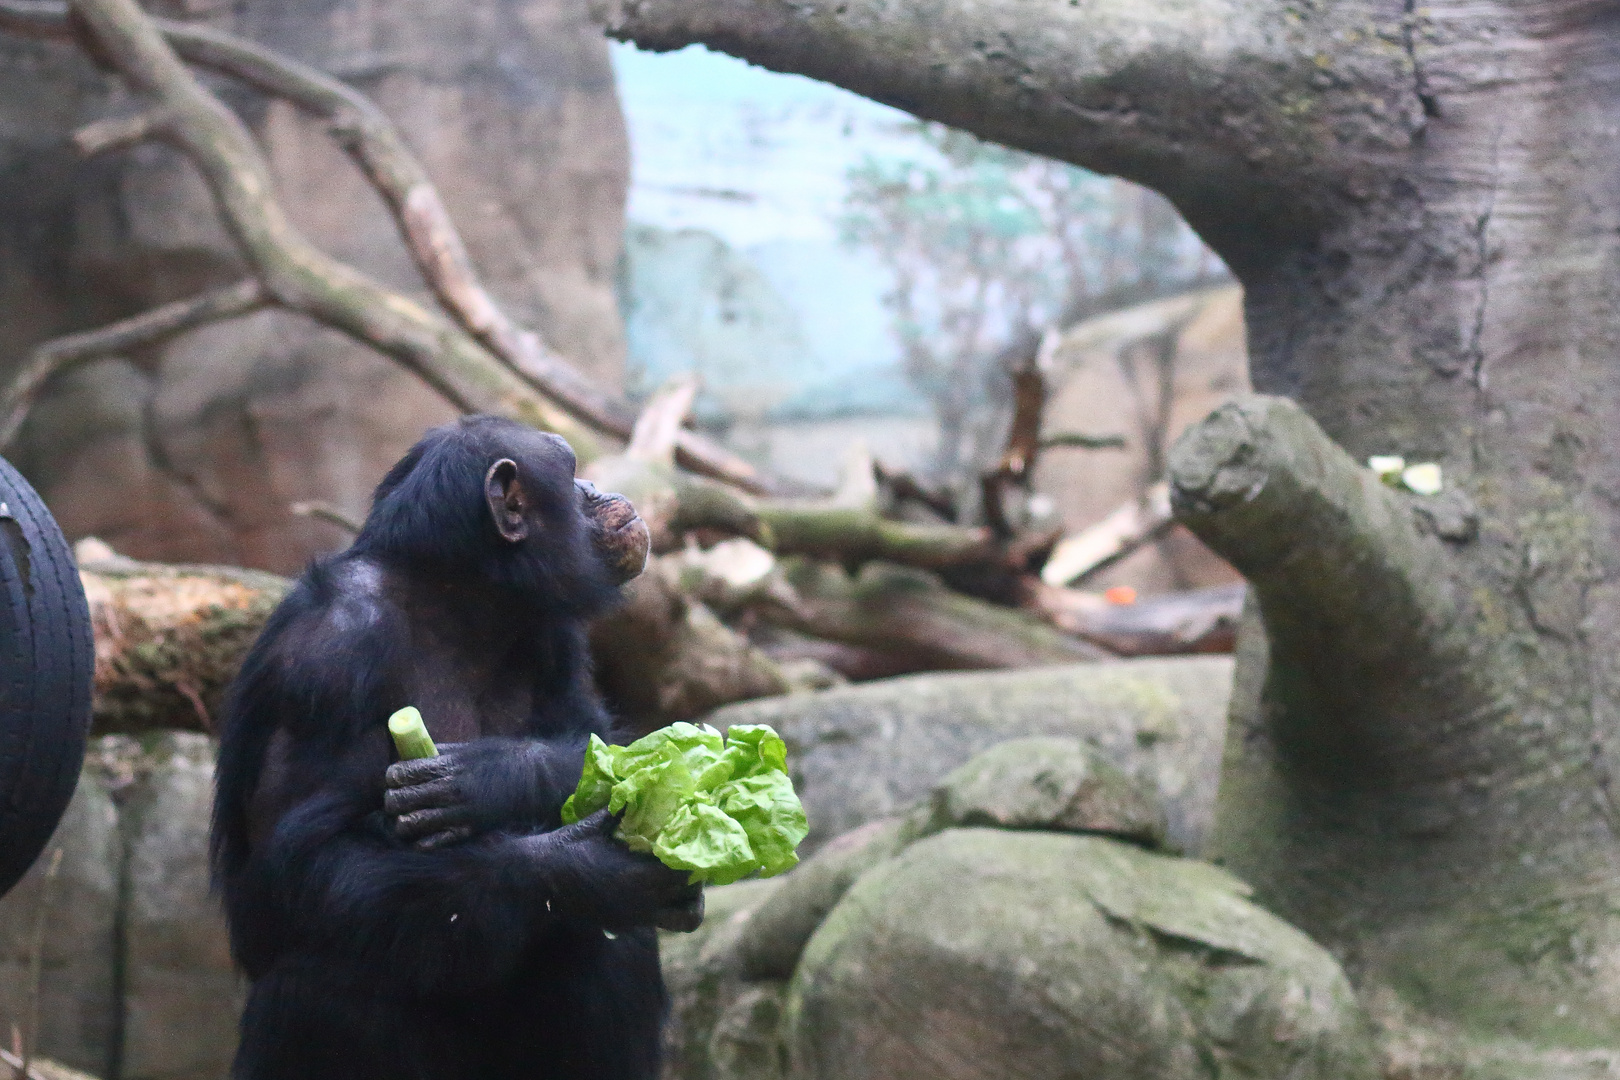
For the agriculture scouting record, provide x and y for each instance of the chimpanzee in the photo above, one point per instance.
(435, 919)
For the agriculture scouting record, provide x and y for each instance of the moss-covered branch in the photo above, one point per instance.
(1341, 571)
(170, 638)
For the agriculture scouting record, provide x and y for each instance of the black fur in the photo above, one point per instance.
(369, 957)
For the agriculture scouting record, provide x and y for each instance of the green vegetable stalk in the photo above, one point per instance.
(411, 736)
(721, 808)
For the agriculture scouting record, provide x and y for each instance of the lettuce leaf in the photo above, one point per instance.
(701, 838)
(595, 783)
(769, 812)
(721, 808)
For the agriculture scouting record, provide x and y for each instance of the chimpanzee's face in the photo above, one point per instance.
(619, 535)
(537, 504)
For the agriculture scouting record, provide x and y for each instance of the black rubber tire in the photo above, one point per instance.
(47, 658)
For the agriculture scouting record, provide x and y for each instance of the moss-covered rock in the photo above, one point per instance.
(1060, 785)
(861, 753)
(776, 933)
(714, 1021)
(989, 953)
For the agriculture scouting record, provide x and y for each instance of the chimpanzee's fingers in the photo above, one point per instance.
(600, 822)
(421, 823)
(418, 771)
(434, 793)
(444, 838)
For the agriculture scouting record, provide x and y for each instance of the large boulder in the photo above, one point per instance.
(1043, 782)
(862, 753)
(985, 953)
(192, 452)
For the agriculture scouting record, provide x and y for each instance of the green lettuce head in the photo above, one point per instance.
(721, 808)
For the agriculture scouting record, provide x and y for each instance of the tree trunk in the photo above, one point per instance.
(1422, 204)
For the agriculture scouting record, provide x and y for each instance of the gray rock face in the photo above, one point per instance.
(192, 452)
(861, 753)
(724, 1025)
(182, 995)
(776, 931)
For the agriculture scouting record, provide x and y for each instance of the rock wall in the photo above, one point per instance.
(137, 981)
(192, 452)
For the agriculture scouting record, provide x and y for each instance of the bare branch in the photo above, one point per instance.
(320, 510)
(102, 136)
(1074, 440)
(656, 432)
(14, 1062)
(375, 144)
(369, 137)
(148, 328)
(294, 272)
(36, 960)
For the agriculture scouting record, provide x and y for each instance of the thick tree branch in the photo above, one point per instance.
(147, 328)
(1347, 583)
(1197, 98)
(294, 273)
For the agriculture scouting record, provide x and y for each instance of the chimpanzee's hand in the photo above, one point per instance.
(595, 878)
(426, 800)
(481, 786)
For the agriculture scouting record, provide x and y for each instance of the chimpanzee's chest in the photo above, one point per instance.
(465, 696)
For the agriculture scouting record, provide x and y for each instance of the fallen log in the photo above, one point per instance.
(909, 616)
(1195, 621)
(168, 638)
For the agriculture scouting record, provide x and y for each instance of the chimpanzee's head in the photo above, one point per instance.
(497, 499)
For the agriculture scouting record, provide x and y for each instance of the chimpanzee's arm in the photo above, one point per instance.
(489, 785)
(445, 920)
(505, 784)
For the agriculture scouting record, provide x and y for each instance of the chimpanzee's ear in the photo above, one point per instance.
(508, 502)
